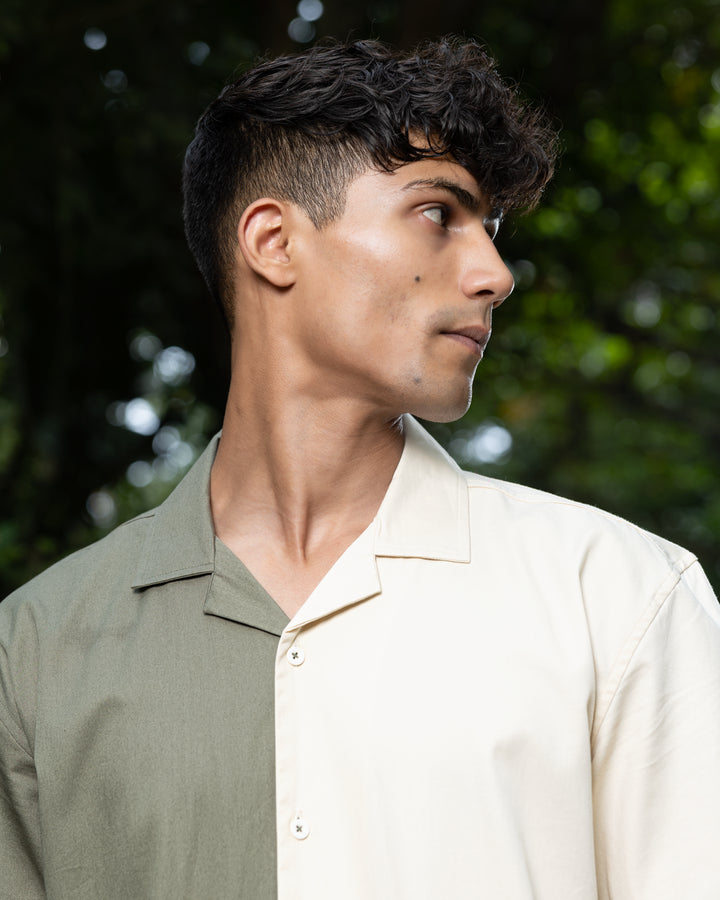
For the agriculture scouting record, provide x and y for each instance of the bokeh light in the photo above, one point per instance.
(310, 10)
(490, 442)
(101, 507)
(173, 365)
(116, 81)
(301, 31)
(95, 39)
(198, 52)
(139, 416)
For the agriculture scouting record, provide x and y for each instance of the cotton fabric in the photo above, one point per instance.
(494, 693)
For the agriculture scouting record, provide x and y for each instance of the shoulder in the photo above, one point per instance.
(105, 566)
(626, 581)
(173, 540)
(567, 528)
(63, 608)
(621, 573)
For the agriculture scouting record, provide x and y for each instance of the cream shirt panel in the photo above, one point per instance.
(496, 693)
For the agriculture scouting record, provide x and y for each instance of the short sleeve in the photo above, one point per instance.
(20, 840)
(656, 764)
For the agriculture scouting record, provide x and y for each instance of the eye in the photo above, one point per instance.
(437, 214)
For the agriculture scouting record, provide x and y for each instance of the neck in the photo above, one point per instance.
(300, 472)
(296, 468)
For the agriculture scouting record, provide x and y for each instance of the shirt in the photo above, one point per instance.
(494, 693)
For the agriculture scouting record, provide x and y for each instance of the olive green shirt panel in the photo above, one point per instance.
(148, 768)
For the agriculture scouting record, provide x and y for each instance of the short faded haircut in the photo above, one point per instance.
(300, 128)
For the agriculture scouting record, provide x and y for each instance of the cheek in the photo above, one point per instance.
(367, 288)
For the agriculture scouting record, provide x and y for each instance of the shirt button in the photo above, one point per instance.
(299, 828)
(296, 656)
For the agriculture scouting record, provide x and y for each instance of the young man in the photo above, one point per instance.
(332, 665)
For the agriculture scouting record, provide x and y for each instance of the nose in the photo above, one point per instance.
(485, 274)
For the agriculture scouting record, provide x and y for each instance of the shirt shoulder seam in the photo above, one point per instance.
(632, 644)
(684, 559)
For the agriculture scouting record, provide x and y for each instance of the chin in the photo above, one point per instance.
(442, 409)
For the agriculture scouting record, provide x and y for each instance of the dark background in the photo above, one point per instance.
(602, 380)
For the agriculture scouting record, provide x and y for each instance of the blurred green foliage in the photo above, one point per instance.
(602, 381)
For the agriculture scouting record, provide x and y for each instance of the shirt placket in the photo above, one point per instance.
(298, 664)
(294, 813)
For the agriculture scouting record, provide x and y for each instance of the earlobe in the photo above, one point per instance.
(263, 241)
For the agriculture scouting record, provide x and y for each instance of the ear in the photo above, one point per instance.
(263, 240)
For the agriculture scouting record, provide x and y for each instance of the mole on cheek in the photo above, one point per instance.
(417, 278)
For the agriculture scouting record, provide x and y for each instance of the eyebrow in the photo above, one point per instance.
(466, 199)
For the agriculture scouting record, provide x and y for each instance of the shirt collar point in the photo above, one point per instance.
(179, 539)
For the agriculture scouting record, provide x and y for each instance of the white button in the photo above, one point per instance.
(296, 656)
(299, 828)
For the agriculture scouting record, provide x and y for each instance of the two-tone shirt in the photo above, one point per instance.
(494, 693)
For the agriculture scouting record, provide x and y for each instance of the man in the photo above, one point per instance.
(332, 665)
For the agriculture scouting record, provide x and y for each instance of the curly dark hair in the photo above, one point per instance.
(300, 128)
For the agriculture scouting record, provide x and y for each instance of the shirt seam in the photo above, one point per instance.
(632, 644)
(550, 500)
(15, 740)
(10, 700)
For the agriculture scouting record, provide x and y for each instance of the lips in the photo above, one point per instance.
(475, 338)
